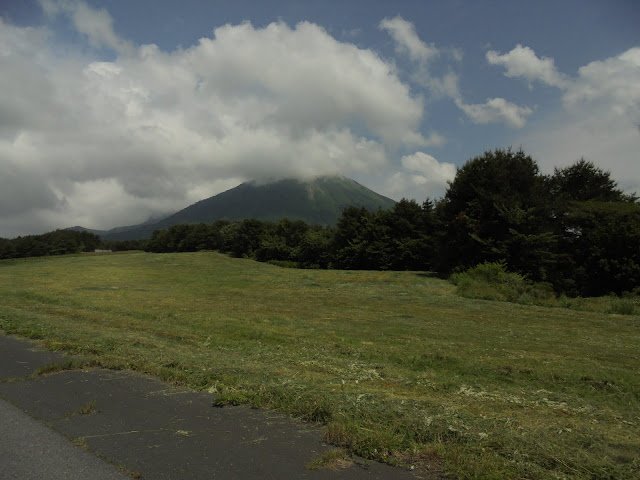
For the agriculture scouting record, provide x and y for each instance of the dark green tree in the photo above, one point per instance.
(598, 227)
(362, 240)
(58, 242)
(496, 209)
(314, 250)
(583, 181)
(242, 239)
(411, 231)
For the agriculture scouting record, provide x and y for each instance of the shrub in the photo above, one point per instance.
(284, 263)
(492, 281)
(574, 303)
(622, 306)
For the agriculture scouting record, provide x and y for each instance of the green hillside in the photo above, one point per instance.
(319, 201)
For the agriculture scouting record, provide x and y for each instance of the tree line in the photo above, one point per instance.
(61, 242)
(575, 229)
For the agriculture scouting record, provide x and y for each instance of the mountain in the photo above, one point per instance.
(114, 232)
(319, 201)
(78, 228)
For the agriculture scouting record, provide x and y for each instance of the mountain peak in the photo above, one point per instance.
(319, 200)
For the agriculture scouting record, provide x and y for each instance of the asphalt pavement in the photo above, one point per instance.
(31, 451)
(102, 424)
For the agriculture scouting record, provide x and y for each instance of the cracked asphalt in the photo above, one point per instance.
(103, 424)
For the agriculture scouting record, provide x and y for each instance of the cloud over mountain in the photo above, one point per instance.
(101, 128)
(163, 126)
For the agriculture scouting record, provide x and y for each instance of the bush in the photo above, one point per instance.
(622, 306)
(492, 281)
(284, 263)
(575, 303)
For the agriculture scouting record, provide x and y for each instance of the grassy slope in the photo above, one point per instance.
(394, 363)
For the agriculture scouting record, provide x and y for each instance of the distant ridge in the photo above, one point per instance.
(319, 201)
(78, 228)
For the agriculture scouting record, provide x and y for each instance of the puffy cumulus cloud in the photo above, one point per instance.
(446, 86)
(600, 121)
(612, 85)
(601, 116)
(96, 25)
(422, 176)
(407, 40)
(435, 139)
(28, 100)
(608, 141)
(104, 143)
(425, 164)
(305, 78)
(523, 62)
(496, 110)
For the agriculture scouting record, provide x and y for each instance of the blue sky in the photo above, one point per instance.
(113, 111)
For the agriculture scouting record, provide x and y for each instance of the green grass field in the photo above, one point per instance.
(395, 365)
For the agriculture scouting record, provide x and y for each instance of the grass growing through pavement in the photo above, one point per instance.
(393, 363)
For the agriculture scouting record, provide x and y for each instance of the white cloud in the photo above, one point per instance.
(523, 62)
(446, 86)
(426, 164)
(51, 8)
(407, 40)
(613, 84)
(152, 129)
(97, 25)
(600, 121)
(422, 176)
(497, 110)
(435, 140)
(610, 142)
(494, 110)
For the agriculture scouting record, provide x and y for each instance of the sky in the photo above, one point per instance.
(116, 111)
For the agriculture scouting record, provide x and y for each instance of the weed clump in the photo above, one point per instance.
(492, 281)
(622, 306)
(334, 459)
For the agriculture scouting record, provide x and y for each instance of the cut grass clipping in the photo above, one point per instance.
(334, 459)
(395, 365)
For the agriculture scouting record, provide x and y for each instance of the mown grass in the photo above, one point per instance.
(394, 364)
